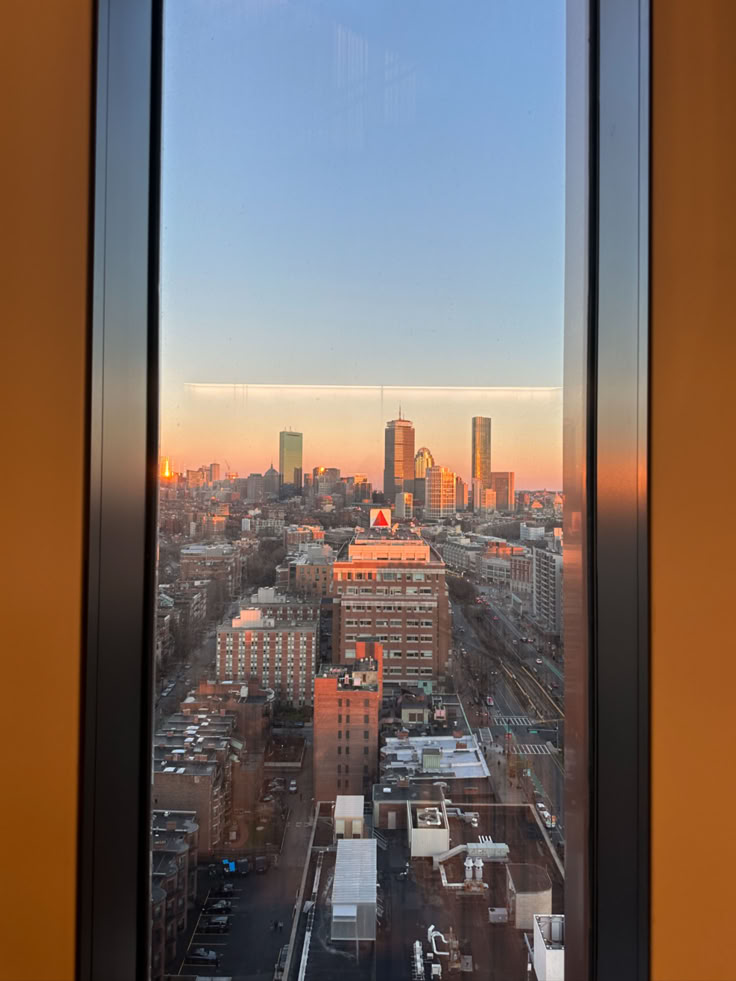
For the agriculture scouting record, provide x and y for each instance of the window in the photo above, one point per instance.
(351, 134)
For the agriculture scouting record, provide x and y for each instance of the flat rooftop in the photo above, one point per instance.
(410, 904)
(450, 755)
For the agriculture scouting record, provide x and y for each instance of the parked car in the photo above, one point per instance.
(261, 863)
(539, 660)
(219, 907)
(278, 971)
(541, 805)
(292, 787)
(214, 924)
(224, 889)
(203, 955)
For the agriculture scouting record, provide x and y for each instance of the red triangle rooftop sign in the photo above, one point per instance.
(378, 519)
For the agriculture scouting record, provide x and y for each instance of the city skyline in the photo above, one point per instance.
(411, 232)
(344, 426)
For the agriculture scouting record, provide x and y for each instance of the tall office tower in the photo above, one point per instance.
(461, 494)
(401, 571)
(290, 461)
(480, 463)
(502, 482)
(214, 472)
(398, 468)
(422, 460)
(440, 490)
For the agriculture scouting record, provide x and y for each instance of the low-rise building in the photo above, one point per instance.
(455, 760)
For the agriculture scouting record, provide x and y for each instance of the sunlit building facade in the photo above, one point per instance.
(398, 470)
(440, 492)
(290, 461)
(480, 463)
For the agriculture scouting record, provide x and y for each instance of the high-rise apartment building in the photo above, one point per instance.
(391, 587)
(290, 461)
(254, 488)
(347, 706)
(440, 492)
(398, 469)
(480, 461)
(547, 589)
(502, 482)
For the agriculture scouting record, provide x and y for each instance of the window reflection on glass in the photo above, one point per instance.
(362, 251)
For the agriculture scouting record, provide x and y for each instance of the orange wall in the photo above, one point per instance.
(45, 81)
(693, 446)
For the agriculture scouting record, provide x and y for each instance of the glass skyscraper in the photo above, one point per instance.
(290, 460)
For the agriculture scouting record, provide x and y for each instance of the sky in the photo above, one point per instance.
(363, 205)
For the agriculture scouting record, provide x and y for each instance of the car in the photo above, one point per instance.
(187, 666)
(495, 618)
(203, 955)
(278, 971)
(267, 798)
(218, 907)
(214, 924)
(224, 889)
(292, 787)
(539, 660)
(261, 863)
(541, 805)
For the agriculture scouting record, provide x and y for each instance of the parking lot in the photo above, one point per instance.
(250, 944)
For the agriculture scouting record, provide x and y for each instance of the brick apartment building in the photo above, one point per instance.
(174, 856)
(392, 588)
(281, 655)
(283, 607)
(221, 563)
(347, 706)
(194, 760)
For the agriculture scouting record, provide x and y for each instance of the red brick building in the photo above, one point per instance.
(347, 706)
(392, 588)
(278, 654)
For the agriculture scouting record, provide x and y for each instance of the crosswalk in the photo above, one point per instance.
(532, 749)
(512, 720)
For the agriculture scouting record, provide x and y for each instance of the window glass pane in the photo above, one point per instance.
(360, 490)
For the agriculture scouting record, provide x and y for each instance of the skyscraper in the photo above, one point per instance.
(290, 461)
(502, 481)
(480, 462)
(422, 461)
(398, 468)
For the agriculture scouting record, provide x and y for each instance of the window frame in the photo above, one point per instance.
(605, 481)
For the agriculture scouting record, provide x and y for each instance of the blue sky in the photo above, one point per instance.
(363, 192)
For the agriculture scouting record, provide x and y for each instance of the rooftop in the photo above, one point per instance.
(355, 871)
(349, 805)
(362, 675)
(409, 904)
(432, 757)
